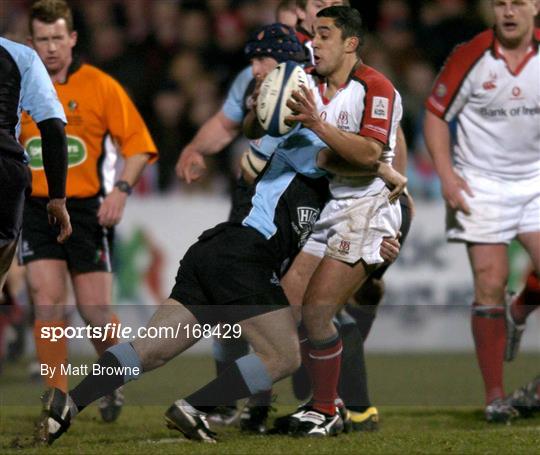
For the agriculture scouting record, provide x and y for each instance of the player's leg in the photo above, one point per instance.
(7, 252)
(294, 285)
(273, 337)
(331, 285)
(118, 365)
(526, 399)
(530, 297)
(527, 301)
(47, 286)
(489, 264)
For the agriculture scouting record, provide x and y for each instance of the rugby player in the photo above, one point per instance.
(102, 121)
(491, 181)
(247, 254)
(24, 84)
(356, 111)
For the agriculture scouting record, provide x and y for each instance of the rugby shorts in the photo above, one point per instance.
(229, 275)
(500, 209)
(352, 229)
(403, 229)
(89, 248)
(15, 182)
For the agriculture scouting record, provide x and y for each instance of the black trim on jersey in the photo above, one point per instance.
(75, 65)
(465, 75)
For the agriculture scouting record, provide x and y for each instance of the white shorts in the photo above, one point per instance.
(352, 229)
(500, 210)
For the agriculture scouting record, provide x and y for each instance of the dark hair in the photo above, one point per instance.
(302, 4)
(278, 41)
(49, 11)
(347, 19)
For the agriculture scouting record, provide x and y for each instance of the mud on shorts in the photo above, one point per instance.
(352, 229)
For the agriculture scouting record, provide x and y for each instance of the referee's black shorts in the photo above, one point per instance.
(229, 275)
(89, 248)
(15, 181)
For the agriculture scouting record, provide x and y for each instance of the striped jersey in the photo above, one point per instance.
(497, 110)
(368, 105)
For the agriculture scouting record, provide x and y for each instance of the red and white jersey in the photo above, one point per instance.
(368, 105)
(497, 110)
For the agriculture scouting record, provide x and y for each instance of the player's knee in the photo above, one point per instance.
(489, 289)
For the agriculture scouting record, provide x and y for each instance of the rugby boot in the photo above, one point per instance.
(499, 411)
(526, 399)
(58, 410)
(514, 331)
(189, 421)
(110, 406)
(223, 415)
(365, 421)
(313, 423)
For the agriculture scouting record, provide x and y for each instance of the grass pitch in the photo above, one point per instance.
(428, 404)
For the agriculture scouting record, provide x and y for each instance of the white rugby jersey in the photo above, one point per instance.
(368, 105)
(497, 111)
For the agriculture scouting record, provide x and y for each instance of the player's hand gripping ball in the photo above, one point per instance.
(275, 90)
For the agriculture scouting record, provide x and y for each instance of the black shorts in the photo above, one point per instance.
(89, 248)
(15, 182)
(229, 275)
(404, 229)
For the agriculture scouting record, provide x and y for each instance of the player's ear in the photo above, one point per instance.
(73, 36)
(30, 41)
(351, 44)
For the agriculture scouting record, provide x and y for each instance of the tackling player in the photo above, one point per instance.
(24, 85)
(102, 120)
(491, 181)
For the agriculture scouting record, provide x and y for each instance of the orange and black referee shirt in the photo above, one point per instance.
(102, 121)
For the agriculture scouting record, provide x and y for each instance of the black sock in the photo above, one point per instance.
(353, 388)
(93, 386)
(227, 387)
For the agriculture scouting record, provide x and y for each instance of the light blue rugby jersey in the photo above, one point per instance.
(36, 93)
(297, 154)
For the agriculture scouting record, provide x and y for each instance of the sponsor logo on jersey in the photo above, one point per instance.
(77, 153)
(323, 115)
(72, 105)
(380, 108)
(490, 83)
(516, 93)
(441, 90)
(343, 120)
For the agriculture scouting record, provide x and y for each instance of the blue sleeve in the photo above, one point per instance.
(300, 151)
(234, 107)
(38, 96)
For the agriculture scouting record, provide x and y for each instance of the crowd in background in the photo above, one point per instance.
(177, 58)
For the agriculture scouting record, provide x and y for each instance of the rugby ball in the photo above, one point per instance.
(276, 89)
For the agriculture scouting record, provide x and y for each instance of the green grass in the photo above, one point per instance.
(429, 403)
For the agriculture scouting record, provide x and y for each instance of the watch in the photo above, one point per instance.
(123, 186)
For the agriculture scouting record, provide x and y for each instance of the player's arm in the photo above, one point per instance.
(332, 162)
(215, 134)
(357, 150)
(437, 136)
(39, 99)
